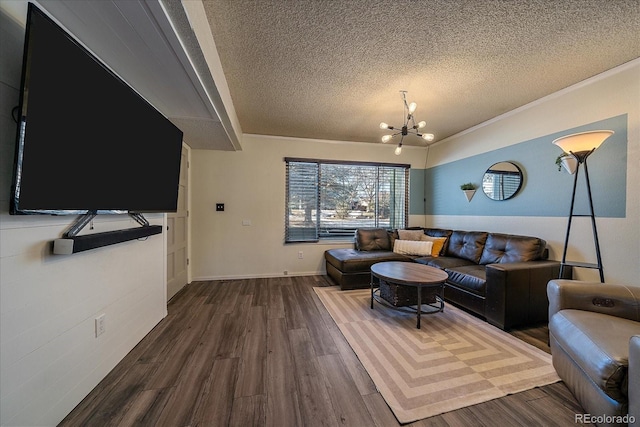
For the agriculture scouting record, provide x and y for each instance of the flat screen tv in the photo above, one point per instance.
(87, 142)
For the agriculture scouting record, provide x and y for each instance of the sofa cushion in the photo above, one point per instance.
(443, 262)
(438, 232)
(467, 245)
(502, 248)
(354, 261)
(599, 344)
(470, 277)
(373, 239)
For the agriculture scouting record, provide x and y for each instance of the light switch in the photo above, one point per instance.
(246, 222)
(219, 207)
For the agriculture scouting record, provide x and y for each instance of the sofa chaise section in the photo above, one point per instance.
(351, 268)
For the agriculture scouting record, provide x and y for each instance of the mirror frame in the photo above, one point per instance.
(519, 172)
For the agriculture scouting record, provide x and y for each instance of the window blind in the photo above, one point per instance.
(301, 217)
(328, 199)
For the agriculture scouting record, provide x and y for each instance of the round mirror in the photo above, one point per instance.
(502, 181)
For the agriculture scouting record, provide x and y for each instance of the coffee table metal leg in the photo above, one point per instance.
(371, 283)
(419, 305)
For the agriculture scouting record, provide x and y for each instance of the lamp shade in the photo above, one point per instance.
(583, 141)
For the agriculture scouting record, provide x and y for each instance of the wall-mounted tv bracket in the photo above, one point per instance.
(71, 243)
(79, 224)
(140, 219)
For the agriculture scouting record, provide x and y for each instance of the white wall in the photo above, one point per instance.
(610, 94)
(49, 355)
(251, 184)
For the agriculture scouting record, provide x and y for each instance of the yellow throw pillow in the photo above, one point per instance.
(438, 244)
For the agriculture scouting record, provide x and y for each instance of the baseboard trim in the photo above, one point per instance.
(259, 276)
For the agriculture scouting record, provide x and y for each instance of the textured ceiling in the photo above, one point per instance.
(333, 69)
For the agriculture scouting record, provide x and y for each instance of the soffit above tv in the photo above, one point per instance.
(152, 49)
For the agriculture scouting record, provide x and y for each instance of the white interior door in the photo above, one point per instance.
(177, 233)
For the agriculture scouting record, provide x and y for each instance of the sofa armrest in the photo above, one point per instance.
(634, 379)
(516, 292)
(607, 298)
(525, 265)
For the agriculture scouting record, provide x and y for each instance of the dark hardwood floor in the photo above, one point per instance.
(265, 352)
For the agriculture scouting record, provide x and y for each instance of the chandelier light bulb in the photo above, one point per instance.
(383, 125)
(428, 136)
(412, 107)
(387, 138)
(398, 150)
(422, 124)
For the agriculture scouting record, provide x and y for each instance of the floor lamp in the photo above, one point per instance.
(580, 146)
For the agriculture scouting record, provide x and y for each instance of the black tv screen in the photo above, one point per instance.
(86, 140)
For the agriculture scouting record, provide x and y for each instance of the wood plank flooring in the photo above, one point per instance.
(265, 352)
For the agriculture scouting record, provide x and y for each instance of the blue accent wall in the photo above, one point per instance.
(545, 191)
(416, 191)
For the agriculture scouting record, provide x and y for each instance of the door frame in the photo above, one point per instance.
(188, 219)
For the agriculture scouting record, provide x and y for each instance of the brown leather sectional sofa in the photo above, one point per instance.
(499, 277)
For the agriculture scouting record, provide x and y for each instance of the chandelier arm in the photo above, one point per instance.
(406, 112)
(413, 122)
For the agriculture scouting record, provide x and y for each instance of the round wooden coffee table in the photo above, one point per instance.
(410, 274)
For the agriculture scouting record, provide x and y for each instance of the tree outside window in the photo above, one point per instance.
(328, 199)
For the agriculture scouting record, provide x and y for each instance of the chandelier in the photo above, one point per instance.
(409, 127)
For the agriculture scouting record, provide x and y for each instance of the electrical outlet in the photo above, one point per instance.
(300, 254)
(100, 324)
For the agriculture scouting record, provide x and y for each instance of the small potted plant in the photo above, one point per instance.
(469, 190)
(567, 161)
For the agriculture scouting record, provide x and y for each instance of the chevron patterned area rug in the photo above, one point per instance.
(455, 360)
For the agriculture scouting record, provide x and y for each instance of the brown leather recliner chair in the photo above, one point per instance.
(594, 332)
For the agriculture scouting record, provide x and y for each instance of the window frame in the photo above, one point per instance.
(314, 234)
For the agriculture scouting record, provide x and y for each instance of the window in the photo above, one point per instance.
(328, 199)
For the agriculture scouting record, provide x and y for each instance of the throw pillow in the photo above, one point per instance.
(412, 247)
(411, 234)
(438, 244)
